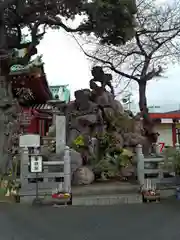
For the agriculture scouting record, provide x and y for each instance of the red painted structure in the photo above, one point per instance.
(37, 122)
(172, 118)
(36, 81)
(169, 115)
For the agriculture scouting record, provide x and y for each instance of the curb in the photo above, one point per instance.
(102, 199)
(107, 200)
(115, 199)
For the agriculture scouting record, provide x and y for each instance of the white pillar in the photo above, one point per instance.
(67, 170)
(140, 164)
(60, 133)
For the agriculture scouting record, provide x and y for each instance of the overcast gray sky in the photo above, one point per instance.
(65, 63)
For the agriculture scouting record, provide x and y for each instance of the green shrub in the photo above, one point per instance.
(171, 161)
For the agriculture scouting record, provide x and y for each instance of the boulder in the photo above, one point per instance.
(118, 107)
(76, 159)
(72, 135)
(83, 176)
(108, 113)
(127, 171)
(88, 119)
(132, 139)
(104, 100)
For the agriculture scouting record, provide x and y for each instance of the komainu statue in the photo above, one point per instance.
(105, 79)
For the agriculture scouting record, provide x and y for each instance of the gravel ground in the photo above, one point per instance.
(134, 221)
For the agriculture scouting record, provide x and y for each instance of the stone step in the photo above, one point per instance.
(95, 200)
(107, 200)
(106, 189)
(115, 199)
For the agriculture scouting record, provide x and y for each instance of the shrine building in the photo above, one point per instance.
(168, 126)
(30, 87)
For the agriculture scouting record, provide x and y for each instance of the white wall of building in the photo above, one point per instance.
(165, 131)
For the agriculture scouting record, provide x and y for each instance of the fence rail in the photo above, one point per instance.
(46, 141)
(151, 168)
(49, 179)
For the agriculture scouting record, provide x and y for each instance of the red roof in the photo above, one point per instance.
(36, 83)
(165, 115)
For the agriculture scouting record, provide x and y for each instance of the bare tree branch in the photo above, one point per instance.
(153, 47)
(142, 51)
(111, 66)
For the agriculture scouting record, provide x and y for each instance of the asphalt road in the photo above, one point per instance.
(138, 221)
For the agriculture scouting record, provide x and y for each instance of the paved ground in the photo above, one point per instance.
(135, 221)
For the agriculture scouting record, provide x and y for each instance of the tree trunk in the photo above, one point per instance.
(8, 107)
(142, 96)
(149, 133)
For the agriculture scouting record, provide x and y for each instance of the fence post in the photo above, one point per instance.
(157, 149)
(93, 148)
(67, 170)
(140, 164)
(24, 167)
(177, 146)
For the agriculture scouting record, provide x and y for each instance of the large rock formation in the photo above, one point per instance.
(98, 127)
(96, 112)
